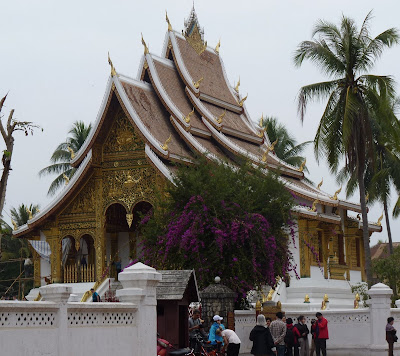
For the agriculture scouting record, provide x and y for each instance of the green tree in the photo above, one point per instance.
(61, 157)
(221, 221)
(346, 54)
(286, 148)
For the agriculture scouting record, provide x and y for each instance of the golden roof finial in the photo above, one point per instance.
(113, 72)
(379, 223)
(167, 141)
(261, 123)
(218, 46)
(261, 133)
(14, 224)
(241, 102)
(71, 151)
(29, 213)
(314, 205)
(265, 155)
(169, 23)
(187, 118)
(237, 86)
(66, 179)
(303, 164)
(146, 49)
(220, 117)
(273, 144)
(335, 196)
(320, 183)
(197, 84)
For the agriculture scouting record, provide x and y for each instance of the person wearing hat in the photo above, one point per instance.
(212, 336)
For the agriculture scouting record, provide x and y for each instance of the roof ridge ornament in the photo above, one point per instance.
(335, 196)
(197, 84)
(187, 118)
(113, 71)
(14, 224)
(379, 223)
(314, 205)
(320, 183)
(263, 128)
(169, 23)
(71, 151)
(303, 164)
(146, 49)
(66, 179)
(167, 141)
(220, 117)
(241, 102)
(218, 46)
(237, 86)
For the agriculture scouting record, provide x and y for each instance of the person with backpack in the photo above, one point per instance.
(95, 296)
(292, 334)
(301, 326)
(263, 344)
(278, 332)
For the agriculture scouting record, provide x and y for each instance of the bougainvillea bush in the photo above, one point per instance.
(223, 222)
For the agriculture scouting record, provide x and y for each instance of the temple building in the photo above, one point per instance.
(181, 104)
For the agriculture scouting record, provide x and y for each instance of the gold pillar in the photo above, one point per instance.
(100, 233)
(36, 269)
(55, 257)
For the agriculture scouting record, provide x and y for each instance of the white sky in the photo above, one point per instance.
(54, 65)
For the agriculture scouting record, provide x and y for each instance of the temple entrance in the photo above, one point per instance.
(68, 260)
(86, 259)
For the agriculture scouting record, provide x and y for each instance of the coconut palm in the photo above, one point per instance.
(286, 148)
(346, 54)
(23, 213)
(61, 157)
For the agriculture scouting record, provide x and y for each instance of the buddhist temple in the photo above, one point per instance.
(182, 103)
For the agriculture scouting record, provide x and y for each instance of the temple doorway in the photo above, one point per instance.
(68, 260)
(86, 259)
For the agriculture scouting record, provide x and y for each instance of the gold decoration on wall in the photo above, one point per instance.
(379, 223)
(84, 202)
(187, 118)
(303, 164)
(146, 49)
(113, 71)
(357, 301)
(220, 117)
(195, 40)
(241, 102)
(335, 196)
(314, 205)
(270, 294)
(237, 86)
(306, 299)
(66, 179)
(129, 219)
(169, 23)
(197, 84)
(71, 151)
(14, 224)
(320, 184)
(218, 46)
(164, 146)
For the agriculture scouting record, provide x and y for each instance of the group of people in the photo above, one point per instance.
(283, 338)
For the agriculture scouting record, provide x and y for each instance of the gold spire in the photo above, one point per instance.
(379, 223)
(243, 100)
(66, 179)
(335, 196)
(167, 141)
(218, 46)
(303, 164)
(146, 49)
(197, 84)
(220, 117)
(261, 123)
(71, 151)
(187, 118)
(14, 224)
(320, 183)
(314, 205)
(113, 72)
(237, 86)
(169, 24)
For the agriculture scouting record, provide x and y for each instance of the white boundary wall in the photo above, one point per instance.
(56, 327)
(351, 331)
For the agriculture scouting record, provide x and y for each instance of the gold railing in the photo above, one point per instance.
(87, 273)
(70, 274)
(76, 274)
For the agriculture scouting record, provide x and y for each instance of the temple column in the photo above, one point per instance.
(100, 233)
(52, 237)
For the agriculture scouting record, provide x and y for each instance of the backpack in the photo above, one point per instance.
(289, 337)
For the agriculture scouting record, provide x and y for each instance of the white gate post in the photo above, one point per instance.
(379, 305)
(139, 287)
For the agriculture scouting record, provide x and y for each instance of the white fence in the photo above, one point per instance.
(351, 332)
(55, 327)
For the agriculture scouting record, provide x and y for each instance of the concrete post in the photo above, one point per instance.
(59, 294)
(379, 305)
(139, 287)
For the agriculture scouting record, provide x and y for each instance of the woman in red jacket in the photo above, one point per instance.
(321, 335)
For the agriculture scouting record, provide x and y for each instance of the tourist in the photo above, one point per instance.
(263, 344)
(268, 321)
(313, 336)
(118, 266)
(292, 334)
(321, 334)
(195, 328)
(391, 336)
(231, 342)
(278, 332)
(301, 326)
(95, 296)
(212, 335)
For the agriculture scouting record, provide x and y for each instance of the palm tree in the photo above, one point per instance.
(286, 148)
(62, 156)
(23, 213)
(345, 54)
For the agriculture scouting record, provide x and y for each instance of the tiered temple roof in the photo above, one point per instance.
(182, 104)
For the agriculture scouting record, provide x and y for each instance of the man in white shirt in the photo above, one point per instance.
(231, 341)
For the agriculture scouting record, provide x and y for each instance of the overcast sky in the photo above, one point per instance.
(54, 66)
